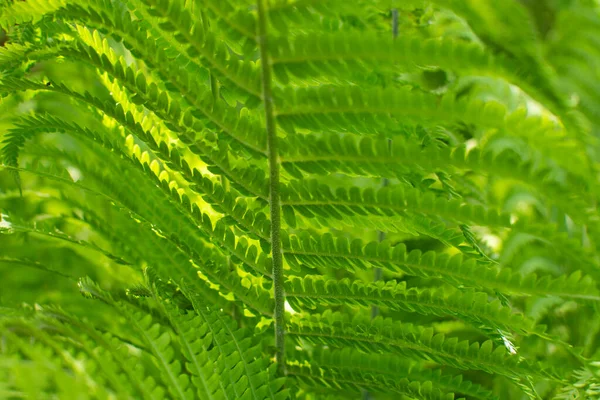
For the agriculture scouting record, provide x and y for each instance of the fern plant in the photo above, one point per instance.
(280, 199)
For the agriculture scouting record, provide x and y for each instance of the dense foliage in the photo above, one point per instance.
(299, 199)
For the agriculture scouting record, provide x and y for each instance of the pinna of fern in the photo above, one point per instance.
(222, 180)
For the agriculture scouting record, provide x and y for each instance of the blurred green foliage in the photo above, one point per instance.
(457, 164)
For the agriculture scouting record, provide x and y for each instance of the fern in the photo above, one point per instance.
(222, 180)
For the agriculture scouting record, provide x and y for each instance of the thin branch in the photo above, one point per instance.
(274, 204)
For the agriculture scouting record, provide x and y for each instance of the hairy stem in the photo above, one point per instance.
(274, 206)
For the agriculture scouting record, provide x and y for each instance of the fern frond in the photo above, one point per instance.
(176, 17)
(155, 338)
(32, 11)
(240, 355)
(47, 230)
(353, 156)
(339, 253)
(470, 306)
(161, 148)
(393, 368)
(352, 384)
(351, 55)
(334, 108)
(233, 22)
(16, 139)
(412, 341)
(174, 227)
(387, 202)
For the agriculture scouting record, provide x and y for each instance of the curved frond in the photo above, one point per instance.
(412, 341)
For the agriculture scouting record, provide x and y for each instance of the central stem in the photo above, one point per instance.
(275, 208)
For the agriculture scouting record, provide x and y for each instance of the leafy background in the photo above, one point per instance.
(445, 149)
